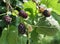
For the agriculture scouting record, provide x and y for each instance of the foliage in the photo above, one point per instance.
(42, 31)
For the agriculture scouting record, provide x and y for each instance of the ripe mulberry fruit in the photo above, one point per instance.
(7, 19)
(46, 13)
(23, 14)
(21, 28)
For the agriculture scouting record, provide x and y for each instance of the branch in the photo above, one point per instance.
(2, 14)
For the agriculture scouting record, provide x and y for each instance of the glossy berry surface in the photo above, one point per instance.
(7, 19)
(21, 28)
(46, 13)
(23, 14)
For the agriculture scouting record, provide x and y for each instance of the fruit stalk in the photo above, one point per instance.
(28, 36)
(7, 4)
(7, 33)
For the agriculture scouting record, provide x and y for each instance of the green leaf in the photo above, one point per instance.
(30, 6)
(3, 39)
(45, 28)
(34, 37)
(47, 31)
(22, 39)
(12, 35)
(13, 2)
(52, 4)
(55, 6)
(2, 9)
(56, 16)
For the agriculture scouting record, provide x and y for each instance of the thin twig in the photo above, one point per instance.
(2, 14)
(28, 36)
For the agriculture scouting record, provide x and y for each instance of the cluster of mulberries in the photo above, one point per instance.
(21, 26)
(7, 19)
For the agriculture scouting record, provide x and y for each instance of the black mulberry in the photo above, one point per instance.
(21, 28)
(7, 19)
(46, 13)
(23, 14)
